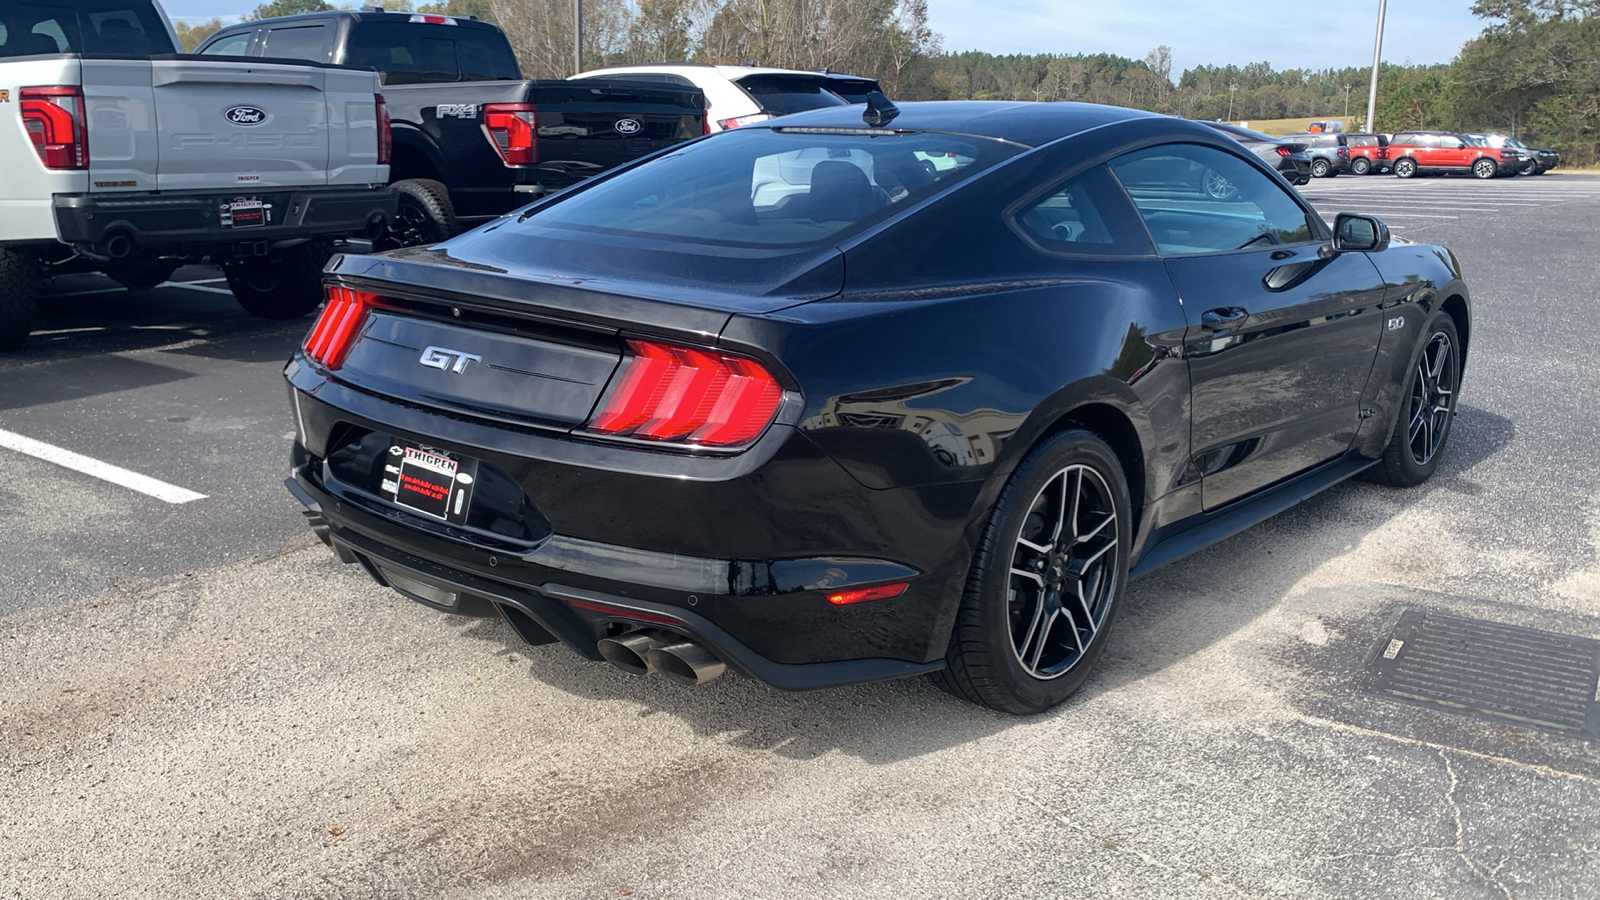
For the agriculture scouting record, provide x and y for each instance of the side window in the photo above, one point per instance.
(1198, 199)
(232, 45)
(1449, 142)
(311, 43)
(1088, 214)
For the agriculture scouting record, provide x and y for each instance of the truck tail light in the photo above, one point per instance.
(513, 129)
(336, 329)
(385, 133)
(55, 121)
(668, 393)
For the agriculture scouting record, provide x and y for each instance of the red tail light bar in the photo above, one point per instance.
(513, 129)
(1283, 151)
(55, 122)
(385, 133)
(336, 329)
(669, 393)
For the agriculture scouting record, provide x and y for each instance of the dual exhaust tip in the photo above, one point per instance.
(674, 659)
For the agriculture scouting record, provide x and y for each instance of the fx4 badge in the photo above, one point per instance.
(1397, 323)
(444, 359)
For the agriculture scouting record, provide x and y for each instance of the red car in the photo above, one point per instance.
(1368, 153)
(1414, 152)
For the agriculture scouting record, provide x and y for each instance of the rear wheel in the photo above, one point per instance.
(1423, 424)
(1530, 167)
(19, 297)
(1485, 168)
(424, 215)
(1047, 580)
(1320, 168)
(1405, 168)
(283, 286)
(1360, 166)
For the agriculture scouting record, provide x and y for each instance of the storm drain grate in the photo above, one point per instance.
(1503, 673)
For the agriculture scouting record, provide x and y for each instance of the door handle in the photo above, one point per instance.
(1224, 316)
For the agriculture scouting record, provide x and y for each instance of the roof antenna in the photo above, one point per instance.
(880, 111)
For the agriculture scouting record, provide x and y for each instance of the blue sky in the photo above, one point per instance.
(1285, 34)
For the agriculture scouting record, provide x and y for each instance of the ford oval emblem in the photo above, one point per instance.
(628, 126)
(246, 115)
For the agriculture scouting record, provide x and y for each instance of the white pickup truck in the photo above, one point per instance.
(120, 156)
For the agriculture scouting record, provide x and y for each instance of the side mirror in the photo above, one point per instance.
(1359, 234)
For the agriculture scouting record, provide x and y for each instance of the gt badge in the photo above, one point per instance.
(1397, 323)
(445, 359)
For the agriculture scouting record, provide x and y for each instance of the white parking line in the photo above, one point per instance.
(189, 286)
(117, 475)
(115, 290)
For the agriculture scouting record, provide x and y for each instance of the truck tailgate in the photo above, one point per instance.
(596, 123)
(234, 124)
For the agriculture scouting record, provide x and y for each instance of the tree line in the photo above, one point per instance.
(1533, 72)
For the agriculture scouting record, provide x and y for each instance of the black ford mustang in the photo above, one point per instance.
(827, 401)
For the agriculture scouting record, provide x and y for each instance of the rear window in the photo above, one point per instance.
(770, 188)
(313, 43)
(415, 53)
(96, 27)
(781, 95)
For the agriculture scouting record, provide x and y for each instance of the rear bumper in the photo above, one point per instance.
(194, 223)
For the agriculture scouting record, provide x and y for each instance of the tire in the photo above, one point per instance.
(140, 273)
(424, 215)
(1405, 168)
(1360, 166)
(1006, 605)
(1320, 168)
(1427, 407)
(282, 286)
(1485, 169)
(19, 297)
(1218, 187)
(1529, 168)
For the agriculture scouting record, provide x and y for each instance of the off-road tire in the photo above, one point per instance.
(1399, 466)
(981, 663)
(1405, 168)
(424, 215)
(19, 297)
(286, 285)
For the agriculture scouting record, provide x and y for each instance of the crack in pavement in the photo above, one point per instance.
(1489, 877)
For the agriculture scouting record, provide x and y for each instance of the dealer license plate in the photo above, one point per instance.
(432, 482)
(250, 213)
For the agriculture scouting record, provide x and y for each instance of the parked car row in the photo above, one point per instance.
(1411, 153)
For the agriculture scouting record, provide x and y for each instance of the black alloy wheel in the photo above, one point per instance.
(1531, 167)
(1320, 168)
(1485, 168)
(1405, 168)
(1360, 166)
(1427, 411)
(286, 285)
(1047, 581)
(423, 215)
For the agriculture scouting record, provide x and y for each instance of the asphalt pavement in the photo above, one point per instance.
(199, 700)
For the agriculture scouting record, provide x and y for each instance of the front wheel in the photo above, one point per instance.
(1485, 168)
(19, 297)
(1429, 406)
(1405, 168)
(1047, 580)
(1360, 166)
(283, 286)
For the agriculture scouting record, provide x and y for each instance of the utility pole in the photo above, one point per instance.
(577, 37)
(1377, 54)
(1231, 89)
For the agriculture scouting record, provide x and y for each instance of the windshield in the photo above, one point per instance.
(781, 95)
(776, 187)
(115, 27)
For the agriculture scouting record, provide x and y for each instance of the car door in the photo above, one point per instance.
(1453, 152)
(1281, 340)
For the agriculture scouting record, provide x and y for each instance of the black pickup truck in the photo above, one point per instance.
(472, 139)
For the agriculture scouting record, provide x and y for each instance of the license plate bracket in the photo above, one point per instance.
(430, 481)
(246, 212)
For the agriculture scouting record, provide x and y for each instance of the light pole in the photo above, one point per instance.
(1377, 54)
(577, 37)
(1231, 89)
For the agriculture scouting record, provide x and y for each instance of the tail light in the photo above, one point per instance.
(513, 128)
(1383, 152)
(1344, 152)
(670, 393)
(385, 133)
(705, 121)
(738, 121)
(54, 118)
(1284, 151)
(432, 20)
(862, 595)
(336, 329)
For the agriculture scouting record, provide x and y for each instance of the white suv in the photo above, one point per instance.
(740, 95)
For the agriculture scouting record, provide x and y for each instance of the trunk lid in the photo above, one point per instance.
(592, 124)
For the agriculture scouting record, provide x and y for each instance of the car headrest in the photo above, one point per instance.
(841, 192)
